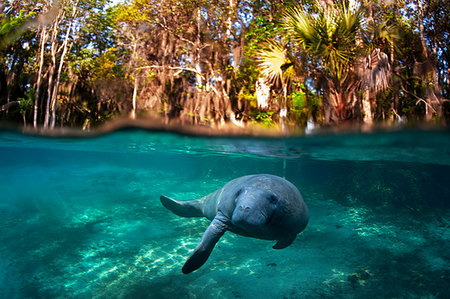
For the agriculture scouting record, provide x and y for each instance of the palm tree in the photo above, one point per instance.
(342, 52)
(329, 38)
(374, 68)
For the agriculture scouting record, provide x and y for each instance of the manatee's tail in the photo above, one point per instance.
(189, 208)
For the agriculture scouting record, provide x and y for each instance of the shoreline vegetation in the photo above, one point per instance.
(266, 68)
(251, 130)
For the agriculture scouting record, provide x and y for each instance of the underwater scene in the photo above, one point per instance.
(82, 217)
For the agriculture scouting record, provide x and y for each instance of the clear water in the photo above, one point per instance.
(81, 218)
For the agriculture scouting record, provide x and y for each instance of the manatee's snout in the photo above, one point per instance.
(244, 208)
(247, 216)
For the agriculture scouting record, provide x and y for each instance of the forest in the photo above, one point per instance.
(80, 63)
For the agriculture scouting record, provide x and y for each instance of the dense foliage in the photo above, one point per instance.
(82, 62)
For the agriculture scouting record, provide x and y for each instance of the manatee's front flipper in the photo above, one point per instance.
(283, 243)
(201, 253)
(188, 208)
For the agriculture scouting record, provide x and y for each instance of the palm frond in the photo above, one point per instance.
(271, 61)
(375, 71)
(380, 33)
(298, 24)
(328, 35)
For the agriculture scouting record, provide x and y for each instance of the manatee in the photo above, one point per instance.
(261, 206)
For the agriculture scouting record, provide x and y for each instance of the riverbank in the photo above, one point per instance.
(228, 129)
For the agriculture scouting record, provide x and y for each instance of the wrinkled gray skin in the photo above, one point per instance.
(260, 206)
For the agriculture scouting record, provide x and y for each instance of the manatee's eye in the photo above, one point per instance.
(273, 199)
(236, 195)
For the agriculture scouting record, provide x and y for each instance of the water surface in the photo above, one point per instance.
(82, 218)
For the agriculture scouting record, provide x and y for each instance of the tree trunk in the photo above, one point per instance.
(366, 106)
(197, 54)
(49, 94)
(10, 83)
(262, 93)
(61, 64)
(39, 77)
(197, 98)
(52, 67)
(432, 91)
(394, 103)
(227, 107)
(135, 88)
(422, 29)
(335, 109)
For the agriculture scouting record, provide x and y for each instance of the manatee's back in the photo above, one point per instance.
(296, 206)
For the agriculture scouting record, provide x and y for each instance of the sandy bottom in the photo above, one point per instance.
(89, 224)
(137, 251)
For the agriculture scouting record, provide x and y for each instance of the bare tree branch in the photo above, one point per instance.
(6, 106)
(188, 69)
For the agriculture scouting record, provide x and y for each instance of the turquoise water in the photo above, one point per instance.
(81, 218)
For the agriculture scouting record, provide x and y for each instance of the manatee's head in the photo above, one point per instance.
(269, 208)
